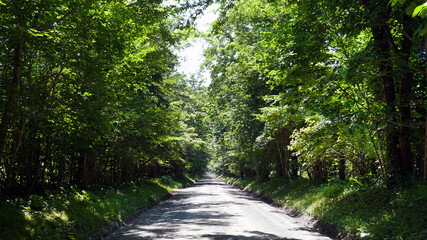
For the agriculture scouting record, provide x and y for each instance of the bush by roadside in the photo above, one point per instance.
(370, 212)
(73, 213)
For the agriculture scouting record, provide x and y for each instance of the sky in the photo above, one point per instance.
(191, 57)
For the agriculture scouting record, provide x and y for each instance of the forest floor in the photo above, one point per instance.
(73, 213)
(343, 209)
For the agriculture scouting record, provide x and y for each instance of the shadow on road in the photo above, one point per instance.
(210, 209)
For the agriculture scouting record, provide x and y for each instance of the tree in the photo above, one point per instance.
(86, 91)
(346, 64)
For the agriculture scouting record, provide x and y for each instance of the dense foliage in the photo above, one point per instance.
(89, 94)
(319, 88)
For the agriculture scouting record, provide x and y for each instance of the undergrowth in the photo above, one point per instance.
(73, 213)
(370, 212)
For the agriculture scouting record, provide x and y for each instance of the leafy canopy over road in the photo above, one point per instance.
(89, 92)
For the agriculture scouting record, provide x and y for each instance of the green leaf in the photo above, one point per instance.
(410, 9)
(394, 2)
(423, 12)
(423, 30)
(356, 181)
(417, 10)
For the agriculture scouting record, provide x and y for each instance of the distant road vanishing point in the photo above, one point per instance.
(212, 209)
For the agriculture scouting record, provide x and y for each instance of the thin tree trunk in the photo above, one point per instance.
(286, 143)
(10, 165)
(19, 140)
(33, 159)
(47, 161)
(425, 154)
(294, 167)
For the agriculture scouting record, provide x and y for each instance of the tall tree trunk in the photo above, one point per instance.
(405, 100)
(280, 166)
(12, 91)
(425, 140)
(280, 142)
(380, 14)
(83, 174)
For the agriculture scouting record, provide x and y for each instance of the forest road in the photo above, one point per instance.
(212, 209)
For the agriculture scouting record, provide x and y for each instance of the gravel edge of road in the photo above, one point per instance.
(309, 221)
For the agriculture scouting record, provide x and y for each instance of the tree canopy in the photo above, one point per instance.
(322, 89)
(327, 88)
(89, 93)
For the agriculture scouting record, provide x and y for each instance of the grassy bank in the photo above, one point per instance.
(73, 213)
(371, 212)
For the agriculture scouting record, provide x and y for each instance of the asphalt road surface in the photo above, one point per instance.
(211, 209)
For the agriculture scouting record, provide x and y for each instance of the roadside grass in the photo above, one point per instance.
(369, 212)
(72, 213)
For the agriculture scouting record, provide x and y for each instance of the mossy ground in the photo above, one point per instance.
(371, 212)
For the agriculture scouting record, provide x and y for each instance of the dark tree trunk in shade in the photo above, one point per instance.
(406, 165)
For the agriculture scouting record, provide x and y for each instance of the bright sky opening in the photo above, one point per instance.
(192, 57)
